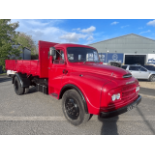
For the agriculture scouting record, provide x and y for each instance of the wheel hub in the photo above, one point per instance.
(153, 78)
(72, 108)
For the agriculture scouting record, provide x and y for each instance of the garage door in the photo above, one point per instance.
(135, 59)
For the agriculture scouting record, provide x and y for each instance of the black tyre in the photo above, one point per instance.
(73, 108)
(17, 86)
(152, 78)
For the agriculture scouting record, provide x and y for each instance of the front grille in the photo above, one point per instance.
(125, 94)
(128, 92)
(128, 95)
(128, 87)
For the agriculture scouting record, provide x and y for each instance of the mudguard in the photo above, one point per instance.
(71, 86)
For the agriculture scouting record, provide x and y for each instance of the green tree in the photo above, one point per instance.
(26, 41)
(7, 39)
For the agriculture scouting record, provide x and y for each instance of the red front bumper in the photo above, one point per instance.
(122, 110)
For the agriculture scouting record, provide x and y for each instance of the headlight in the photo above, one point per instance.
(137, 89)
(118, 96)
(115, 97)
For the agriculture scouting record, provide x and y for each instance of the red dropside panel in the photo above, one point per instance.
(10, 64)
(23, 66)
(34, 67)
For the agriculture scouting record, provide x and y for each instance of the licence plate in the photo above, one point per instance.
(130, 107)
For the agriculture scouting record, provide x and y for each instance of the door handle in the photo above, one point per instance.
(65, 71)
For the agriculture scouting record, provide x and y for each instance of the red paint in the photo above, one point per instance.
(97, 82)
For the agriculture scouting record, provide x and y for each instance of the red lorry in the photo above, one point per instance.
(74, 74)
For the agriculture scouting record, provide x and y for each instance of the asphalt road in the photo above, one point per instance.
(36, 113)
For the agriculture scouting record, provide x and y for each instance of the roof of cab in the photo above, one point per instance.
(72, 45)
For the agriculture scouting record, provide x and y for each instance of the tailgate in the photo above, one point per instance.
(10, 65)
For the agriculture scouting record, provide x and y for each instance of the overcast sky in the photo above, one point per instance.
(84, 31)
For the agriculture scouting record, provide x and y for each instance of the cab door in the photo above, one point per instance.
(57, 69)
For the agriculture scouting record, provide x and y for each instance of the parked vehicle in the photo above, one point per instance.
(150, 67)
(75, 74)
(140, 72)
(117, 64)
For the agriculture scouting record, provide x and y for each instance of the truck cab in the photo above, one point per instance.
(74, 73)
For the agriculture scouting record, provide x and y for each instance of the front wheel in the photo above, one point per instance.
(152, 78)
(73, 108)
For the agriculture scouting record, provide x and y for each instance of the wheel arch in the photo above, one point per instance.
(71, 86)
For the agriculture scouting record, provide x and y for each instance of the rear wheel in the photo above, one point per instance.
(152, 78)
(73, 108)
(17, 87)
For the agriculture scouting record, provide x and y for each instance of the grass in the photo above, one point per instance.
(3, 74)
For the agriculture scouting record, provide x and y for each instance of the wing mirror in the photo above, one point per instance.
(52, 51)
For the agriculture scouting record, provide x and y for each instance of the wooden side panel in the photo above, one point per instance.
(19, 65)
(26, 67)
(7, 64)
(13, 65)
(34, 68)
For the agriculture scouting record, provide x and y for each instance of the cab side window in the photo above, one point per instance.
(62, 57)
(59, 58)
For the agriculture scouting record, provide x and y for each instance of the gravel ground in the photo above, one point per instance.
(147, 84)
(39, 114)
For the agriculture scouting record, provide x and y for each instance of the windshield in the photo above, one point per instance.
(81, 54)
(152, 68)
